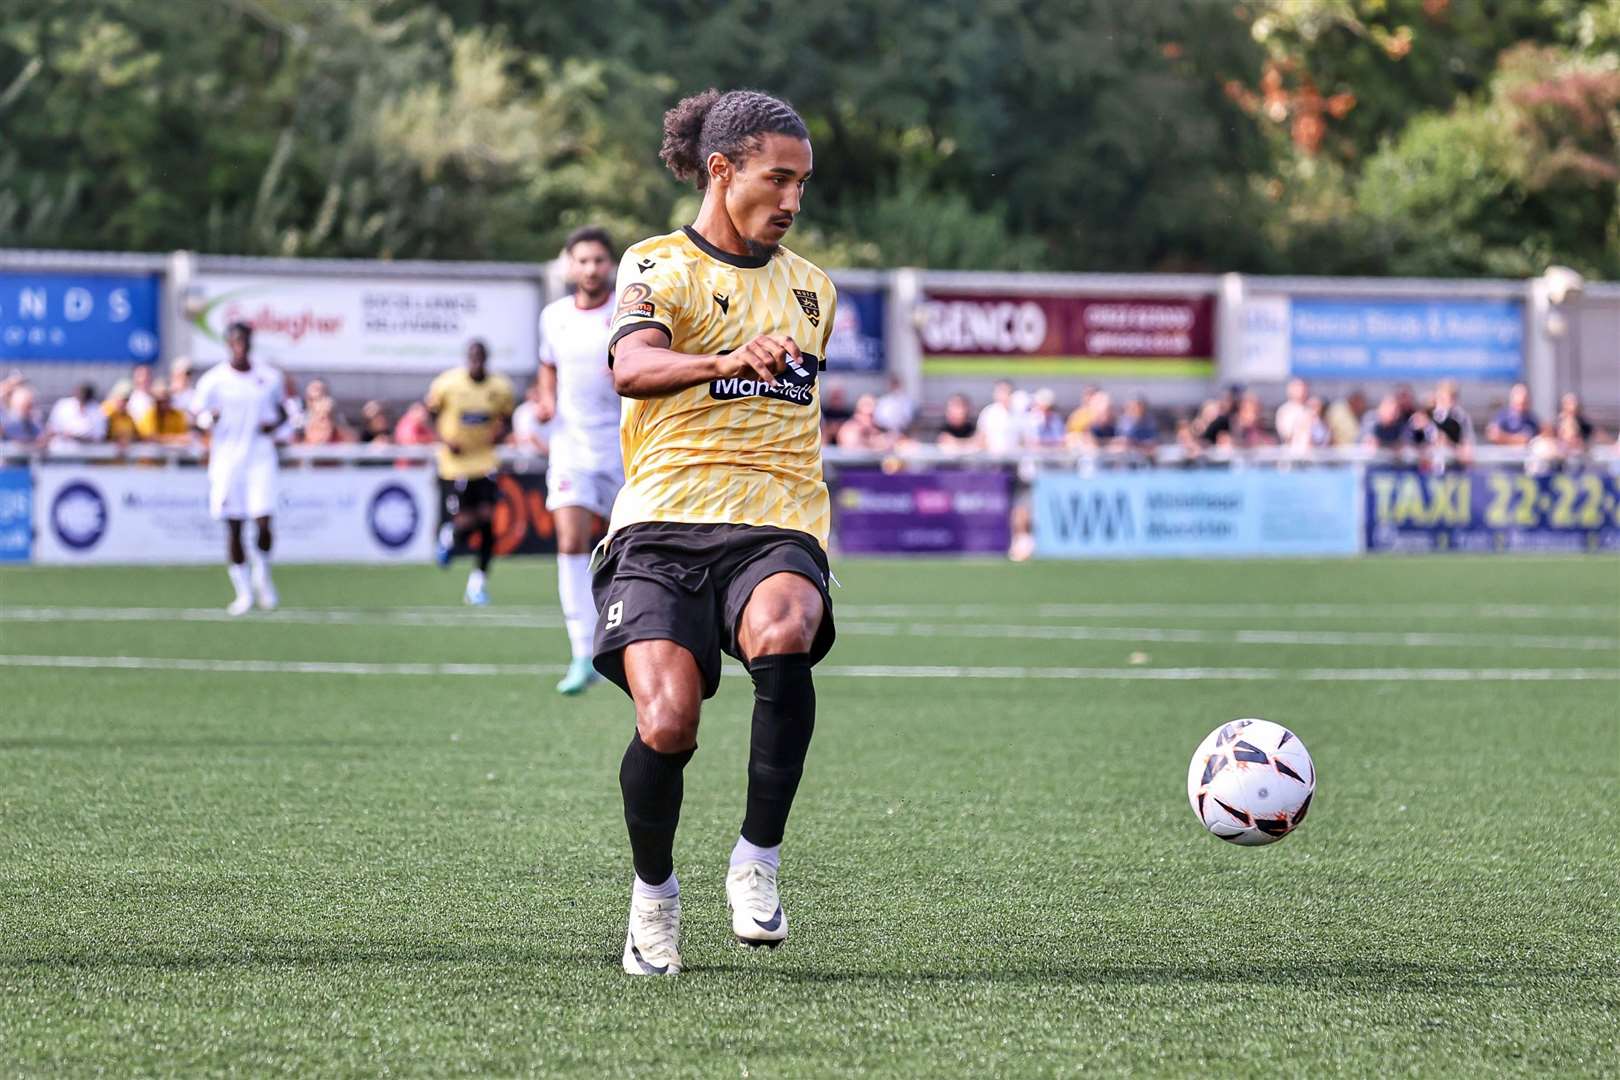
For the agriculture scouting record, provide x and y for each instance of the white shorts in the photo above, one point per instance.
(243, 488)
(594, 491)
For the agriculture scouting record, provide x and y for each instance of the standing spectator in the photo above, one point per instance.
(324, 427)
(959, 432)
(1080, 419)
(1309, 431)
(1294, 409)
(861, 431)
(375, 427)
(415, 427)
(1569, 407)
(19, 421)
(1136, 430)
(1346, 418)
(163, 422)
(896, 412)
(180, 383)
(1451, 420)
(1385, 429)
(1560, 444)
(140, 399)
(531, 433)
(998, 426)
(1043, 427)
(1209, 424)
(76, 419)
(1515, 424)
(121, 427)
(1406, 401)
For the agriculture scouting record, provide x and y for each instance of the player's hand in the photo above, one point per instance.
(765, 357)
(544, 409)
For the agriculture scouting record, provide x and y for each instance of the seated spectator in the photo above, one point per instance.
(531, 422)
(1515, 424)
(1346, 418)
(9, 383)
(1080, 419)
(1569, 405)
(121, 427)
(76, 419)
(1385, 429)
(960, 431)
(1451, 420)
(1187, 438)
(1558, 444)
(375, 427)
(1210, 423)
(139, 402)
(1247, 429)
(415, 427)
(896, 412)
(19, 420)
(1094, 423)
(180, 383)
(835, 411)
(861, 431)
(1309, 430)
(999, 421)
(1421, 430)
(1406, 400)
(1294, 409)
(1136, 430)
(1043, 427)
(323, 427)
(163, 422)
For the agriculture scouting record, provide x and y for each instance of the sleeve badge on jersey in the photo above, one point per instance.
(811, 303)
(635, 302)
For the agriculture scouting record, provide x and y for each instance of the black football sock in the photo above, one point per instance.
(486, 544)
(652, 786)
(784, 719)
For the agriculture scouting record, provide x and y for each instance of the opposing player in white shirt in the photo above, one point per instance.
(585, 470)
(239, 404)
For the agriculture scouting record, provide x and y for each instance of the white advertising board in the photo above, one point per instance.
(329, 324)
(129, 514)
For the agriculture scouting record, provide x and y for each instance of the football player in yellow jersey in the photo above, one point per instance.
(717, 541)
(470, 408)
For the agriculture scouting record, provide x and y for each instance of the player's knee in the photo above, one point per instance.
(790, 630)
(667, 722)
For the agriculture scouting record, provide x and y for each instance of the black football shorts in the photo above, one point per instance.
(689, 584)
(468, 493)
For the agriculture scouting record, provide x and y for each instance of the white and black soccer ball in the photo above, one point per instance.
(1251, 782)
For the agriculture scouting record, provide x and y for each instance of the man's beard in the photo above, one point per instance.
(761, 251)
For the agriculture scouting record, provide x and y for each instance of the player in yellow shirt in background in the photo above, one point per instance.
(471, 409)
(718, 539)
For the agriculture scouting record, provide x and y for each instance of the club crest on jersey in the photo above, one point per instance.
(796, 385)
(811, 303)
(635, 302)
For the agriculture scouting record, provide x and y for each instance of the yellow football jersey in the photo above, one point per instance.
(730, 451)
(468, 413)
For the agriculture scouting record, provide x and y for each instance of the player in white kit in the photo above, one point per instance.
(239, 405)
(585, 470)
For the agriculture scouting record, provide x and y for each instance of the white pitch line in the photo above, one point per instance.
(836, 671)
(1040, 632)
(1512, 612)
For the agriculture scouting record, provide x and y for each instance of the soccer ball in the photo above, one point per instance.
(1251, 782)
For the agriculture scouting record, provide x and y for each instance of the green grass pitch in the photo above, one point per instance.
(362, 836)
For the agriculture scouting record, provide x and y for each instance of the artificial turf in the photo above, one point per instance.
(394, 868)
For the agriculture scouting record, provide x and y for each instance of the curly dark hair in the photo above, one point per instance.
(730, 123)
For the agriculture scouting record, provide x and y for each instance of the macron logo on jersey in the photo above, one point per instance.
(797, 384)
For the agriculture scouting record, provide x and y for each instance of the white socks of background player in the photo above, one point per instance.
(579, 607)
(240, 580)
(260, 561)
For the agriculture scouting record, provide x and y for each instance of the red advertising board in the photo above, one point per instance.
(979, 333)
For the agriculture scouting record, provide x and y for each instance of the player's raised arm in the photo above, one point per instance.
(644, 366)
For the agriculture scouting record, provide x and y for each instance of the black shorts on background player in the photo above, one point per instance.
(467, 493)
(689, 584)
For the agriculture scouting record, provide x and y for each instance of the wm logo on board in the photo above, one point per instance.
(1087, 517)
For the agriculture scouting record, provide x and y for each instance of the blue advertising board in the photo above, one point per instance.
(1406, 339)
(857, 346)
(1492, 510)
(98, 317)
(1199, 512)
(16, 515)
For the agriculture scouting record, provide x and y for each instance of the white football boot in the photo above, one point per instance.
(241, 605)
(653, 944)
(265, 591)
(757, 917)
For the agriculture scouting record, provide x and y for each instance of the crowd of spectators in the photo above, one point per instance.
(1236, 419)
(146, 408)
